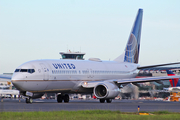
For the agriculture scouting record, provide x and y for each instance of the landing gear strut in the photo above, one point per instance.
(62, 97)
(29, 100)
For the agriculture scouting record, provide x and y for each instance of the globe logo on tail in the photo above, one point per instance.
(131, 51)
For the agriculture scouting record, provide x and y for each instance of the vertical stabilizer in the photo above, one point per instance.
(131, 53)
(133, 45)
(175, 82)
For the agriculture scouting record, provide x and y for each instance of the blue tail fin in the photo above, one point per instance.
(133, 44)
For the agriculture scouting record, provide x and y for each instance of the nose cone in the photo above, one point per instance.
(18, 81)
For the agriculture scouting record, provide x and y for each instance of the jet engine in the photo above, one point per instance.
(106, 90)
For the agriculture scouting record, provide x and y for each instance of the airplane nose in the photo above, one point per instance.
(18, 76)
(18, 81)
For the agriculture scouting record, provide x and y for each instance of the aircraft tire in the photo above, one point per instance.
(108, 100)
(30, 100)
(102, 100)
(66, 98)
(59, 98)
(27, 100)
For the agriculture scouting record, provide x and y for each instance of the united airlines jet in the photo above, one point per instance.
(102, 78)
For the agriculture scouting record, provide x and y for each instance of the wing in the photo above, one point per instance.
(130, 80)
(145, 79)
(91, 84)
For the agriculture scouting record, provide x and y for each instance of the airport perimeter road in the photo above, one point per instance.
(121, 105)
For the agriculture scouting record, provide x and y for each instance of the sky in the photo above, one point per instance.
(40, 29)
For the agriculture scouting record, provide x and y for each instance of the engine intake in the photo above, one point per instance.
(101, 91)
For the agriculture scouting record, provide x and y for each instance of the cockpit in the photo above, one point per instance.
(25, 70)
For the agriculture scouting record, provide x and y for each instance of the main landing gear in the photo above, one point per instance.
(62, 97)
(107, 100)
(29, 100)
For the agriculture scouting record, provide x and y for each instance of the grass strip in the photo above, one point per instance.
(87, 115)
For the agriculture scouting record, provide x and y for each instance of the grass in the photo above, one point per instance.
(87, 115)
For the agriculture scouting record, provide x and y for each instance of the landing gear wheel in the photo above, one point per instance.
(102, 100)
(29, 100)
(66, 98)
(108, 100)
(59, 98)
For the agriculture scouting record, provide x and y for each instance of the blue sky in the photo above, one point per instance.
(40, 29)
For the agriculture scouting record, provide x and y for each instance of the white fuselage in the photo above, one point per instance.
(68, 75)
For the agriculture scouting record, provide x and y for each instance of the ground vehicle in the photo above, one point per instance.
(175, 96)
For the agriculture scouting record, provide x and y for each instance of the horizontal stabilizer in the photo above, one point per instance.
(151, 66)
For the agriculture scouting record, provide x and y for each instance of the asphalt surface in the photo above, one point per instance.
(73, 105)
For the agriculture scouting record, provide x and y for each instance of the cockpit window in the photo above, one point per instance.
(31, 70)
(17, 70)
(25, 70)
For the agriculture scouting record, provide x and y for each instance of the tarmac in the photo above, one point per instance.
(74, 105)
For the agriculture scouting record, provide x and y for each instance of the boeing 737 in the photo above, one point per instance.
(102, 78)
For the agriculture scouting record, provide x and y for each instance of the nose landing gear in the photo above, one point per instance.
(29, 100)
(62, 97)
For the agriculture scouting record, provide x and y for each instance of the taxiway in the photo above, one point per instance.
(121, 105)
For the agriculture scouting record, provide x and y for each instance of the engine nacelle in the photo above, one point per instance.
(106, 90)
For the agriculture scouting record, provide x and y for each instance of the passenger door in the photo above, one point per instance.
(45, 71)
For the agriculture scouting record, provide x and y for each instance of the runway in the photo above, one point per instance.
(73, 105)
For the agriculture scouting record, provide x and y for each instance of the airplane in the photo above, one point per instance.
(102, 78)
(175, 82)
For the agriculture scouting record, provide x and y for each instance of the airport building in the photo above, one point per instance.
(72, 55)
